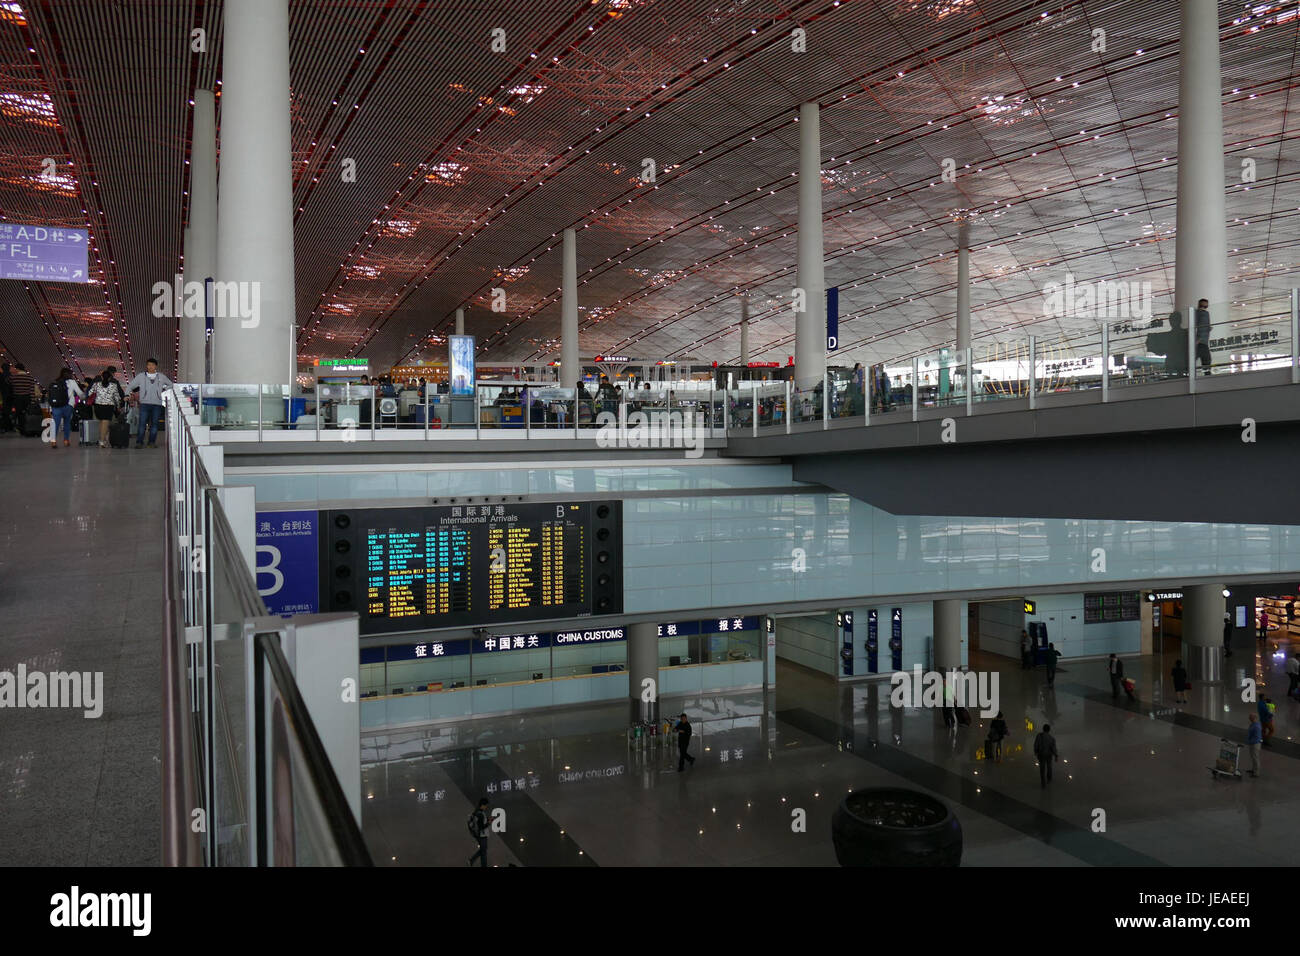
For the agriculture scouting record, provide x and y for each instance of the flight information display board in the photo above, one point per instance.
(1105, 606)
(405, 569)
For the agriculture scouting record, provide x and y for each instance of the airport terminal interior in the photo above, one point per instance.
(649, 433)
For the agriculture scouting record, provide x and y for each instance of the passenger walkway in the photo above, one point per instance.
(81, 553)
(573, 793)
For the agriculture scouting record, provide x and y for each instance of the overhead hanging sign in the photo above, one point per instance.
(832, 319)
(43, 253)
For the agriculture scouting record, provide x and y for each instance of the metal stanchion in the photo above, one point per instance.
(1295, 336)
(1105, 362)
(1033, 372)
(826, 400)
(916, 386)
(970, 379)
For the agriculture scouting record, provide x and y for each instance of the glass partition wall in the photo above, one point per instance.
(218, 731)
(1142, 342)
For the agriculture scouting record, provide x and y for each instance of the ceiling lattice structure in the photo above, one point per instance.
(470, 162)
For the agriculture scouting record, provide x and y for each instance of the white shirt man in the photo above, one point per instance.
(151, 384)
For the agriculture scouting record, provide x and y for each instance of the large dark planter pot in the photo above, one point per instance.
(888, 826)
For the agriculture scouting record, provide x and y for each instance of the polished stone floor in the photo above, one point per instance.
(81, 589)
(574, 795)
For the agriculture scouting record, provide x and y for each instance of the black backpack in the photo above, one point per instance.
(472, 824)
(57, 393)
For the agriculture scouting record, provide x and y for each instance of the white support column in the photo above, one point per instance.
(191, 327)
(1201, 246)
(255, 206)
(1203, 608)
(201, 233)
(947, 634)
(963, 287)
(810, 324)
(570, 369)
(643, 672)
(460, 321)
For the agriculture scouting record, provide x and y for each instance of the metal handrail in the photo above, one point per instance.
(269, 659)
(221, 716)
(181, 844)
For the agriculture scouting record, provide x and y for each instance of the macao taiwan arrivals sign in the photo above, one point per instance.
(43, 253)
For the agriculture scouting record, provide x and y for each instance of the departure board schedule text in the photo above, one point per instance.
(465, 565)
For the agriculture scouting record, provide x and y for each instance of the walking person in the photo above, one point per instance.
(1045, 752)
(150, 384)
(1052, 655)
(997, 733)
(1293, 673)
(683, 741)
(6, 398)
(1026, 651)
(478, 829)
(106, 401)
(1116, 668)
(1263, 625)
(1254, 740)
(1179, 674)
(1203, 335)
(1266, 709)
(22, 388)
(63, 393)
(1227, 634)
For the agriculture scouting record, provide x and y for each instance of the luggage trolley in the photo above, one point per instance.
(1229, 760)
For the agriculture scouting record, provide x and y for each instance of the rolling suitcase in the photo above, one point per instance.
(89, 431)
(33, 421)
(119, 435)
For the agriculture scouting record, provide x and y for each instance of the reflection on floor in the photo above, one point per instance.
(81, 557)
(573, 794)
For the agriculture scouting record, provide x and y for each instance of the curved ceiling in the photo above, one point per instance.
(471, 161)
